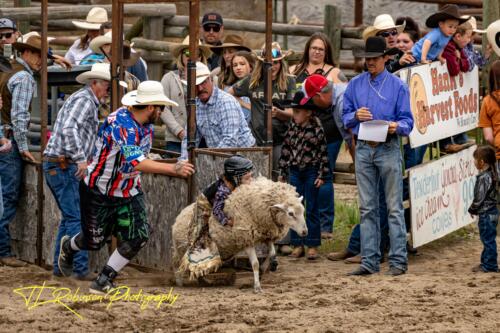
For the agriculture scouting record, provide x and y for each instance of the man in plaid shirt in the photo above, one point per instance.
(17, 88)
(219, 119)
(68, 152)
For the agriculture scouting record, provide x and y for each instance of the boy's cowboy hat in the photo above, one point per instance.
(231, 41)
(202, 73)
(493, 35)
(446, 13)
(33, 43)
(148, 93)
(375, 47)
(129, 57)
(381, 23)
(276, 53)
(99, 71)
(473, 23)
(176, 51)
(95, 18)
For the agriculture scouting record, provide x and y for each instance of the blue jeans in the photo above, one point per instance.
(488, 233)
(373, 163)
(11, 171)
(64, 186)
(326, 191)
(354, 245)
(303, 180)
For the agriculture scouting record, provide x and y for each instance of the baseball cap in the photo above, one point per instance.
(312, 86)
(6, 23)
(212, 18)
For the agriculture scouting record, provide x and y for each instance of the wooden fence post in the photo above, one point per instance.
(23, 26)
(332, 28)
(153, 29)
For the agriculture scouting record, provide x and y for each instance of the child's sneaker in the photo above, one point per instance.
(103, 284)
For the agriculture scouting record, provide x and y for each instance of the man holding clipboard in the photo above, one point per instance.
(377, 109)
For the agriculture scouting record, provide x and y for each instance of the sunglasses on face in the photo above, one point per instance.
(7, 35)
(215, 28)
(386, 34)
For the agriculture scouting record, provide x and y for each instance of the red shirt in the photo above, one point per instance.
(455, 65)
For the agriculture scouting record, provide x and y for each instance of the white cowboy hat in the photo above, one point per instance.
(473, 23)
(95, 17)
(277, 53)
(493, 34)
(176, 50)
(381, 23)
(148, 93)
(24, 38)
(202, 73)
(129, 57)
(99, 71)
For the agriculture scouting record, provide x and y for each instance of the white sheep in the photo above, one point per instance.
(262, 211)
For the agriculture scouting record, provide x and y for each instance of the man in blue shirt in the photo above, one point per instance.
(379, 95)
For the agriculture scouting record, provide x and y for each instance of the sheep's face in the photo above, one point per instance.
(293, 215)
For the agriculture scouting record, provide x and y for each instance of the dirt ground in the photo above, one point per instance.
(439, 294)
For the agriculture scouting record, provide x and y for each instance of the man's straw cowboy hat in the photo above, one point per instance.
(95, 18)
(493, 35)
(148, 93)
(33, 43)
(99, 71)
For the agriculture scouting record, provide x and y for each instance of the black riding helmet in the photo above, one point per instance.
(235, 167)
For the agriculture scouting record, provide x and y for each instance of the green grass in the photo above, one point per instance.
(346, 217)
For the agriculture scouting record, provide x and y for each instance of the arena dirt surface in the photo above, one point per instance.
(439, 294)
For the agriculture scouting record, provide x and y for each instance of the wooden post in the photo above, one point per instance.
(332, 28)
(358, 13)
(116, 54)
(194, 37)
(23, 26)
(268, 81)
(491, 13)
(153, 29)
(285, 21)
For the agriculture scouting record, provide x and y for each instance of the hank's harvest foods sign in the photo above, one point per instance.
(442, 105)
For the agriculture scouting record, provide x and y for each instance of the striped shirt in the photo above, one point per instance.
(76, 127)
(122, 143)
(221, 123)
(22, 86)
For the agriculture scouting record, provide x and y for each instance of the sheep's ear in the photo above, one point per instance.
(280, 206)
(301, 198)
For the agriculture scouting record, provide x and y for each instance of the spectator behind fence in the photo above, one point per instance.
(304, 164)
(484, 204)
(454, 53)
(283, 88)
(475, 57)
(175, 117)
(69, 150)
(317, 59)
(81, 47)
(17, 89)
(8, 35)
(242, 65)
(212, 31)
(404, 42)
(444, 24)
(220, 123)
(377, 94)
(231, 45)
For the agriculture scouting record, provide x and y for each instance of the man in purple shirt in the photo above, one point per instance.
(379, 95)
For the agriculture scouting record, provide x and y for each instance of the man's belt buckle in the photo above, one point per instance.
(63, 163)
(372, 144)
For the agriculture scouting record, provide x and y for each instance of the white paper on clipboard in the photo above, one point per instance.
(373, 130)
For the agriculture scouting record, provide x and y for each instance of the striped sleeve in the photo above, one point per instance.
(72, 128)
(22, 88)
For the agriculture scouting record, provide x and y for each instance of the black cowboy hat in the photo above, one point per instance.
(375, 47)
(295, 102)
(447, 12)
